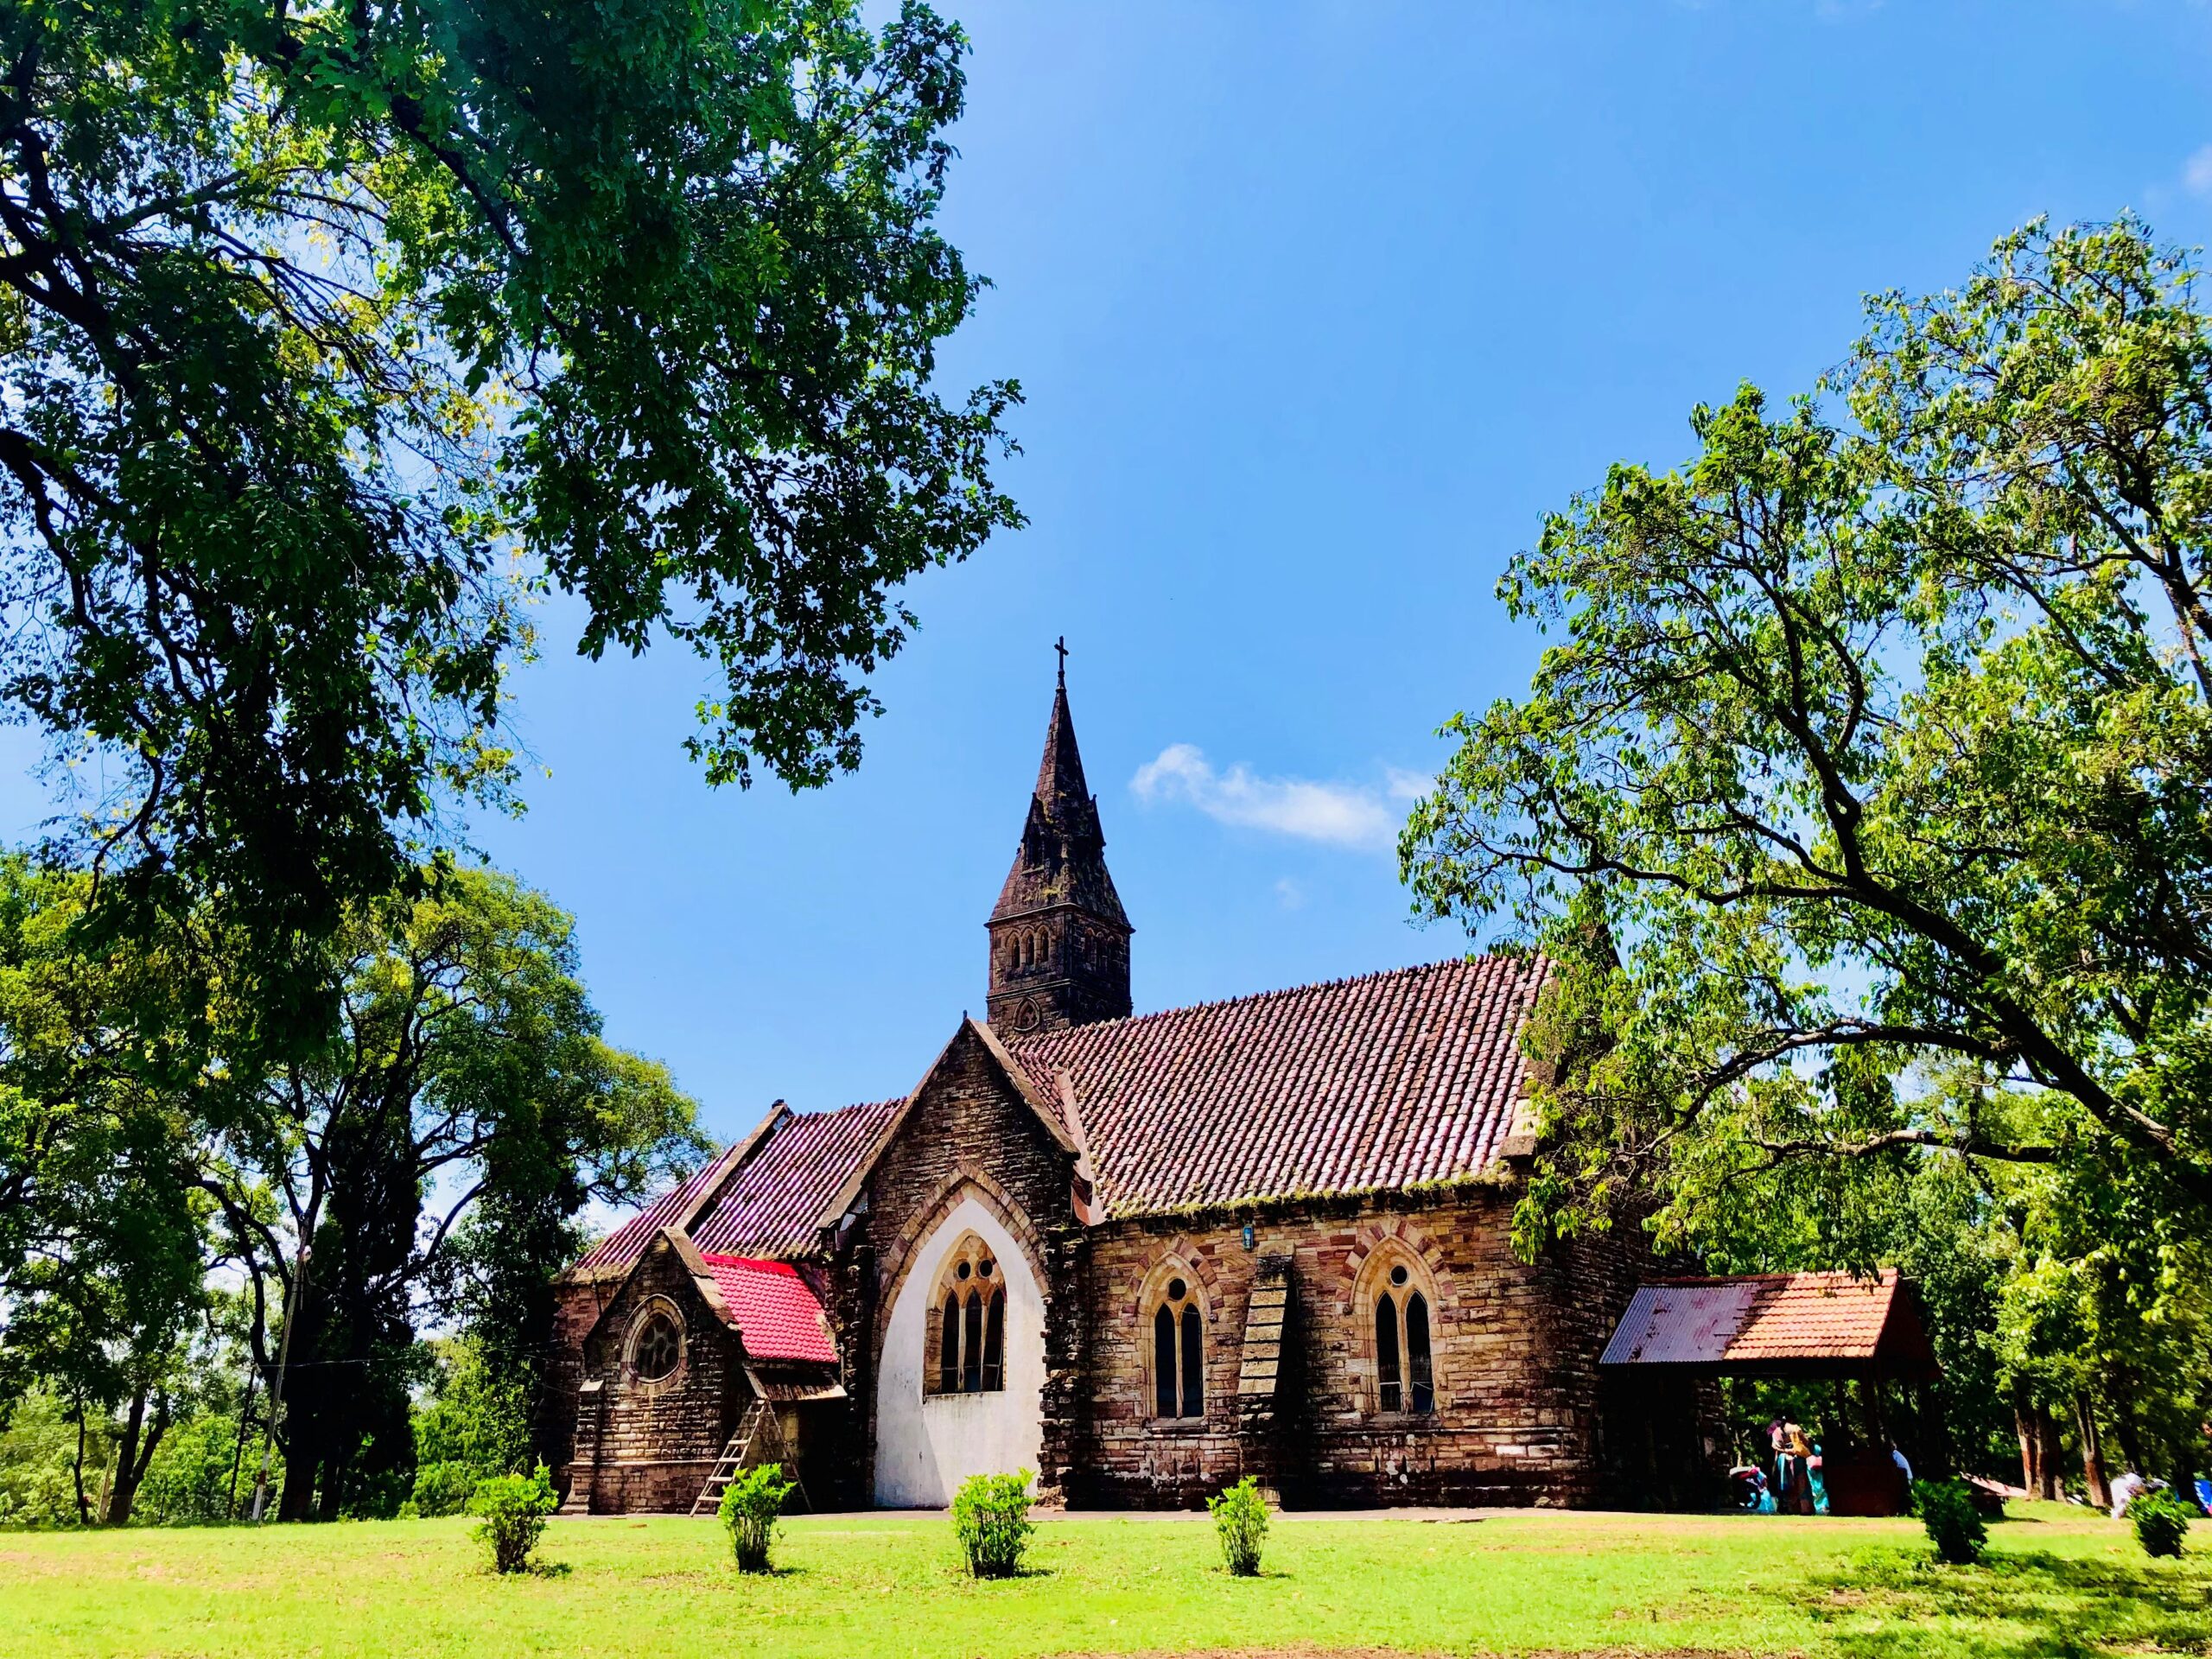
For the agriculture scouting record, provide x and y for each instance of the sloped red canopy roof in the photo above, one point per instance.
(777, 1314)
(1831, 1323)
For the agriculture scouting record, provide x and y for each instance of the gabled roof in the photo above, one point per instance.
(624, 1245)
(1382, 1082)
(777, 1202)
(1780, 1322)
(775, 1311)
(1388, 1081)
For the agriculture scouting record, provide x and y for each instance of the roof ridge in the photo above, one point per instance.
(1038, 1039)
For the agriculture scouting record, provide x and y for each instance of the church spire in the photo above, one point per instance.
(1059, 937)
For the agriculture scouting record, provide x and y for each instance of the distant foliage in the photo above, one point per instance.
(512, 1510)
(1240, 1516)
(1954, 1526)
(189, 1481)
(443, 1488)
(990, 1517)
(750, 1505)
(2161, 1522)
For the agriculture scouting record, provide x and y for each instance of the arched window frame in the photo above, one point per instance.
(652, 1308)
(964, 1338)
(1399, 1334)
(1174, 1332)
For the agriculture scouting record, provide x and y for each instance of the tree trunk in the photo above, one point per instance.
(2030, 1433)
(2093, 1456)
(2047, 1427)
(76, 1474)
(133, 1458)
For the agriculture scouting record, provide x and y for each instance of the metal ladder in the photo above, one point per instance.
(759, 1416)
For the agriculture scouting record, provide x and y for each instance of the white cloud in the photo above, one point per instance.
(1289, 894)
(2197, 173)
(1337, 815)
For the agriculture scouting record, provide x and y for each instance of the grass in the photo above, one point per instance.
(2057, 1582)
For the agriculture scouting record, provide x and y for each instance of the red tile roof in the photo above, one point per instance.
(624, 1241)
(1785, 1320)
(1377, 1083)
(775, 1311)
(1381, 1081)
(773, 1206)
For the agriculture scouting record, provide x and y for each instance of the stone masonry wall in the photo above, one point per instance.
(645, 1447)
(969, 1133)
(1516, 1349)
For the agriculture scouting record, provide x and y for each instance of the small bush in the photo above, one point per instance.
(2161, 1522)
(749, 1508)
(1240, 1516)
(443, 1487)
(1954, 1526)
(512, 1510)
(990, 1517)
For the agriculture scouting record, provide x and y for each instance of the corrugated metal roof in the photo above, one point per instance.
(1786, 1320)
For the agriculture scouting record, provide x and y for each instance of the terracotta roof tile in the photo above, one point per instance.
(776, 1311)
(772, 1208)
(1756, 1321)
(624, 1241)
(1380, 1082)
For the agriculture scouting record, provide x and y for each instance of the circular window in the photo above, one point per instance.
(659, 1345)
(1176, 1288)
(962, 1271)
(1398, 1274)
(983, 1266)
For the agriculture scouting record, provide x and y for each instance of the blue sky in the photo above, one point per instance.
(1319, 307)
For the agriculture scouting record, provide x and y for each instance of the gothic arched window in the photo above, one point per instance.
(1178, 1370)
(1405, 1362)
(963, 1348)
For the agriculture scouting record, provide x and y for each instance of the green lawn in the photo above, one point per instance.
(2055, 1582)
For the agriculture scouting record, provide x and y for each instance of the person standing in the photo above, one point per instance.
(1796, 1495)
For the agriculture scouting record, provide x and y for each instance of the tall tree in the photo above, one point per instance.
(310, 315)
(468, 1097)
(104, 1243)
(1878, 743)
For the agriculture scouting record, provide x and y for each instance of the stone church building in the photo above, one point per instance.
(1141, 1254)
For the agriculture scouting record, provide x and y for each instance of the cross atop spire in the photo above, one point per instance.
(1060, 644)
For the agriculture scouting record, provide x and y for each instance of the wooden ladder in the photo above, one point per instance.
(759, 1418)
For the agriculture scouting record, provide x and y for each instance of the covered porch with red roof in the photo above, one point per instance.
(1679, 1338)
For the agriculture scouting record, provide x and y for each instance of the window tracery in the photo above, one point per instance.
(1401, 1300)
(1179, 1324)
(654, 1350)
(964, 1346)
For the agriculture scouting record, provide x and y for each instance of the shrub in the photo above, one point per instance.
(1240, 1516)
(749, 1508)
(443, 1487)
(1954, 1526)
(990, 1517)
(513, 1509)
(2161, 1522)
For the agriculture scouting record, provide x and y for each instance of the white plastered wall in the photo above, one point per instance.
(926, 1446)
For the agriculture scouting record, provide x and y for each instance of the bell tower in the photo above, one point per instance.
(1059, 939)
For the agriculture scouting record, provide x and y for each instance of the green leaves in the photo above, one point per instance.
(1860, 800)
(312, 320)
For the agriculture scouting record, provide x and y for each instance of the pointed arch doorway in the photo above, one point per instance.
(960, 1380)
